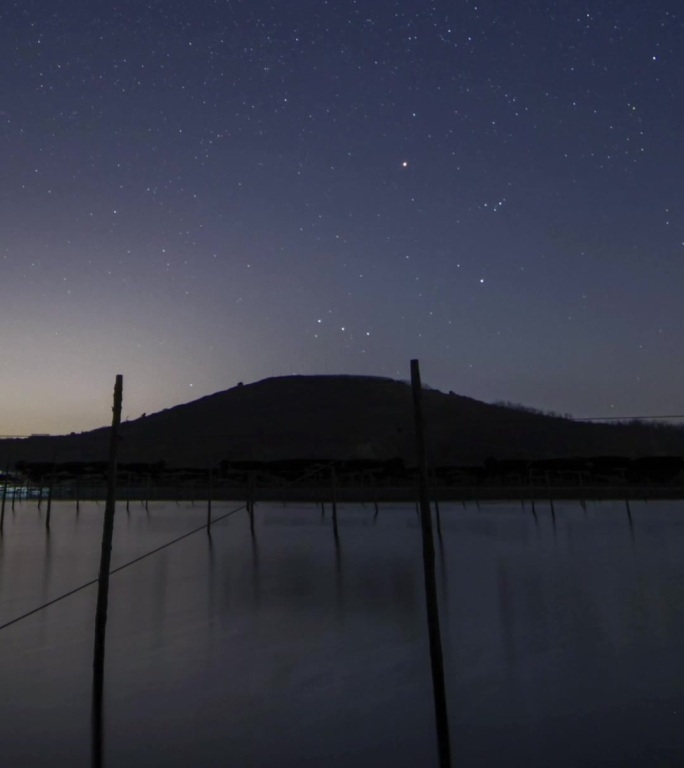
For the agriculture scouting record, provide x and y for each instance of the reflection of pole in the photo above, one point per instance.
(438, 687)
(103, 582)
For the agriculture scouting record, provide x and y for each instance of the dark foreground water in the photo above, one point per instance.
(564, 645)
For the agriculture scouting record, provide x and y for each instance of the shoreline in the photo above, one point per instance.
(360, 494)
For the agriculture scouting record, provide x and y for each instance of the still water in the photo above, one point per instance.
(562, 643)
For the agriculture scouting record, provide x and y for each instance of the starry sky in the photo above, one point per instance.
(195, 194)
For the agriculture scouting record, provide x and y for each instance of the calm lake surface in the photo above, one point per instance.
(563, 645)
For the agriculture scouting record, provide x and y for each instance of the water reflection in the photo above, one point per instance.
(284, 643)
(158, 604)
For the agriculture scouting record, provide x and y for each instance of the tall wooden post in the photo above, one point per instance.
(436, 658)
(103, 582)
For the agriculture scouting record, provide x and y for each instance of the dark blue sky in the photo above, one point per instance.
(196, 194)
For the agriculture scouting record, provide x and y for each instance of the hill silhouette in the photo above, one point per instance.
(346, 417)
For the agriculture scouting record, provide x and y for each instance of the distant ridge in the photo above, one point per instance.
(346, 417)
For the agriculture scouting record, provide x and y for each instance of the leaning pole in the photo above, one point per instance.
(103, 579)
(436, 659)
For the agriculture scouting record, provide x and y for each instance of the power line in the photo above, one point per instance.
(630, 418)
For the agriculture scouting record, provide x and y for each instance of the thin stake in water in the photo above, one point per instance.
(4, 496)
(210, 492)
(436, 659)
(333, 484)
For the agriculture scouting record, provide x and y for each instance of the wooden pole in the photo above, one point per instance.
(534, 509)
(333, 484)
(548, 490)
(4, 499)
(49, 500)
(148, 491)
(250, 502)
(210, 491)
(103, 580)
(49, 505)
(436, 658)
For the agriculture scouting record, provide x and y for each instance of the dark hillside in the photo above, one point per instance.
(346, 417)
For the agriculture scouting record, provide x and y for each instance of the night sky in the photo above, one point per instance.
(199, 193)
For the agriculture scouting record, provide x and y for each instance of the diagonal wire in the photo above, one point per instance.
(119, 568)
(152, 552)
